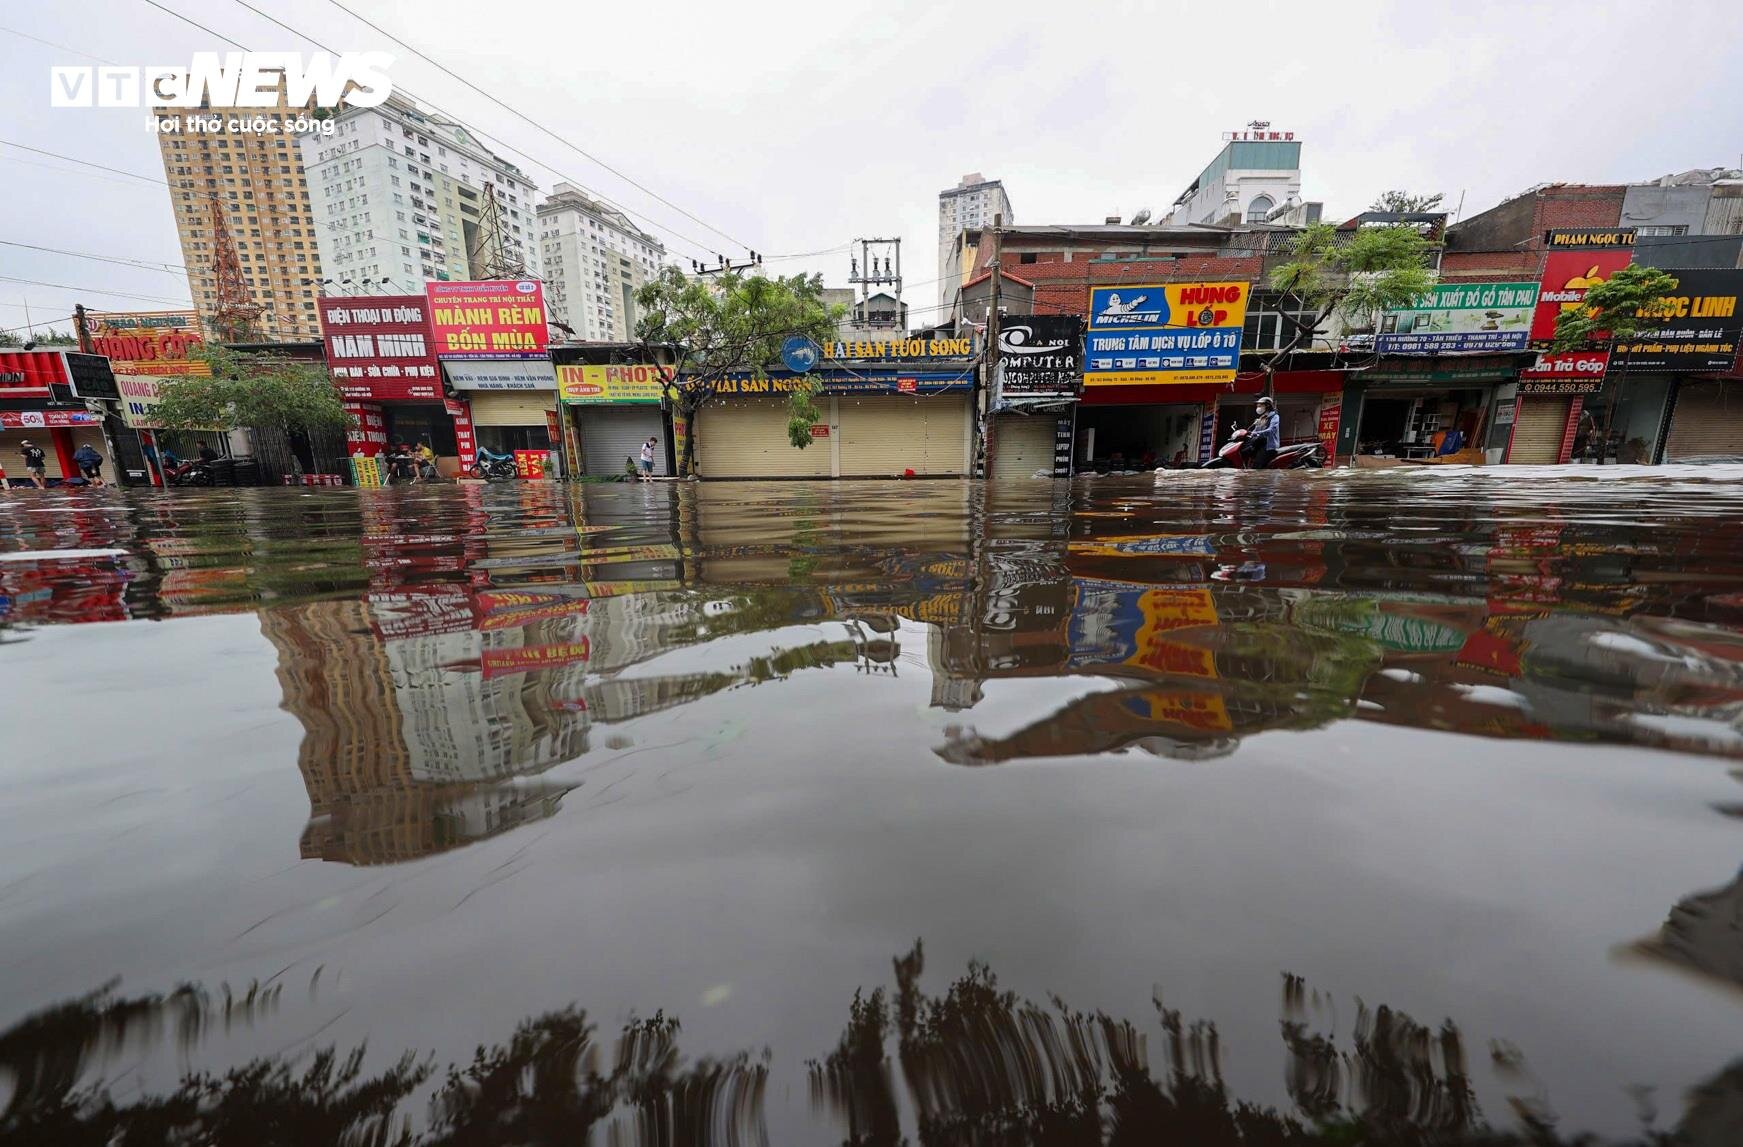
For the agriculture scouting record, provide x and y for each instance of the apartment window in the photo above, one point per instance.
(1663, 229)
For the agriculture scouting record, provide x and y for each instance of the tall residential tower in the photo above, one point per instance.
(970, 205)
(595, 259)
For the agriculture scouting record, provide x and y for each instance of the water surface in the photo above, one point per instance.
(1407, 799)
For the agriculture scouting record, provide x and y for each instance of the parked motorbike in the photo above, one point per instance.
(190, 473)
(1235, 456)
(494, 468)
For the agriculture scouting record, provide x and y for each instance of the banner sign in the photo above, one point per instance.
(855, 382)
(465, 439)
(369, 437)
(29, 373)
(531, 463)
(1571, 372)
(511, 375)
(90, 376)
(1039, 355)
(46, 419)
(1149, 333)
(1589, 238)
(522, 658)
(860, 350)
(148, 343)
(1459, 318)
(378, 348)
(1567, 275)
(1699, 329)
(496, 319)
(599, 385)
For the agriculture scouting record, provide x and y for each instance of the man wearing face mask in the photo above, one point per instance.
(1265, 436)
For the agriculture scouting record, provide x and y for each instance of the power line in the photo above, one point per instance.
(85, 162)
(59, 47)
(96, 291)
(522, 116)
(141, 264)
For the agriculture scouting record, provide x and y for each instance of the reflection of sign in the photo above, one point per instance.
(378, 347)
(799, 354)
(1461, 317)
(1698, 330)
(1164, 333)
(1567, 275)
(899, 348)
(1586, 238)
(1114, 623)
(1151, 545)
(638, 383)
(498, 319)
(1040, 355)
(1571, 372)
(533, 375)
(1201, 712)
(29, 373)
(521, 658)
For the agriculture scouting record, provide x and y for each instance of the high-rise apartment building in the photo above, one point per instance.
(401, 198)
(595, 260)
(256, 179)
(971, 204)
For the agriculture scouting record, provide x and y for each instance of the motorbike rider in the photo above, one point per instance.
(1264, 438)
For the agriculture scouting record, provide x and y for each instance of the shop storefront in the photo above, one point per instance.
(148, 351)
(1142, 427)
(1706, 420)
(875, 422)
(513, 405)
(1032, 400)
(40, 403)
(613, 410)
(1403, 411)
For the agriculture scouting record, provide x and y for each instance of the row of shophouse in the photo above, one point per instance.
(1122, 345)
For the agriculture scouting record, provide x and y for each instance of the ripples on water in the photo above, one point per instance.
(435, 768)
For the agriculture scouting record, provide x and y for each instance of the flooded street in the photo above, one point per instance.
(1400, 797)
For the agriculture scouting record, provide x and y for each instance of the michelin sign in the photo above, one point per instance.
(1144, 334)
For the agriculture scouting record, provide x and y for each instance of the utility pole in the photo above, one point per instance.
(81, 328)
(987, 443)
(723, 265)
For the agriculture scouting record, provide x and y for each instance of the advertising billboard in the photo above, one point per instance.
(379, 348)
(1699, 327)
(142, 344)
(493, 319)
(1149, 333)
(1570, 372)
(1455, 318)
(29, 373)
(1040, 356)
(502, 374)
(1588, 238)
(601, 385)
(1567, 275)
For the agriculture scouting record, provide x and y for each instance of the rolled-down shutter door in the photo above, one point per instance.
(610, 434)
(1538, 430)
(747, 438)
(515, 408)
(1707, 419)
(1023, 444)
(884, 436)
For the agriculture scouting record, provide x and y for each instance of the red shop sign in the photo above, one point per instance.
(29, 373)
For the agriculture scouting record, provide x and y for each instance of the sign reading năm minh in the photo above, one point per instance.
(591, 385)
(378, 348)
(494, 319)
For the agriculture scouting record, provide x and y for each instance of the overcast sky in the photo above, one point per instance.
(799, 127)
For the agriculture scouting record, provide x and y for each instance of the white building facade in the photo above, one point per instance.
(970, 205)
(399, 200)
(595, 261)
(1245, 183)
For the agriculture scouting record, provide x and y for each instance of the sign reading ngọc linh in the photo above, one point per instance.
(1461, 318)
(1698, 327)
(1150, 333)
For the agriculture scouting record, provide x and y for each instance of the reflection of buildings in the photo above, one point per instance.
(1704, 934)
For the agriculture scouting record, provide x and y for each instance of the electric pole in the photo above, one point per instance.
(992, 344)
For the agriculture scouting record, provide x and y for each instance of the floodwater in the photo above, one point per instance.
(1221, 808)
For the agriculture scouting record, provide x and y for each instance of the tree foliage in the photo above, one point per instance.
(1404, 202)
(802, 412)
(253, 391)
(1353, 274)
(1624, 306)
(730, 324)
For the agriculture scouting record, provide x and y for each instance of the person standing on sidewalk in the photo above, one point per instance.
(35, 464)
(648, 459)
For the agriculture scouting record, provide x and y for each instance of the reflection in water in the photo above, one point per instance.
(463, 663)
(976, 1065)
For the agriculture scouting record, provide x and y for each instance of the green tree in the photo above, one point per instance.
(1404, 203)
(1355, 275)
(709, 329)
(1619, 310)
(253, 391)
(53, 337)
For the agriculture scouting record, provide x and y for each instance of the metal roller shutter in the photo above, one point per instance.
(747, 438)
(610, 434)
(883, 436)
(1538, 430)
(1023, 445)
(514, 408)
(1708, 419)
